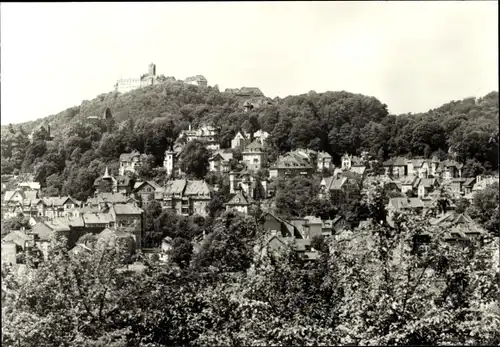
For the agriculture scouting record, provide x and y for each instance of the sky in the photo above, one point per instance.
(412, 56)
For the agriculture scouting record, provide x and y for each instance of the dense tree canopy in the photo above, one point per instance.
(377, 286)
(150, 120)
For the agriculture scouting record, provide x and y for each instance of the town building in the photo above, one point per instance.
(324, 161)
(171, 160)
(186, 197)
(250, 185)
(240, 202)
(340, 189)
(291, 164)
(353, 163)
(220, 161)
(450, 169)
(461, 225)
(425, 186)
(240, 140)
(145, 191)
(131, 162)
(255, 156)
(102, 200)
(396, 167)
(206, 134)
(17, 202)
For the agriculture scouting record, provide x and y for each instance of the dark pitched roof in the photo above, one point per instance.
(130, 156)
(405, 203)
(240, 199)
(333, 183)
(175, 187)
(121, 209)
(256, 145)
(290, 161)
(197, 187)
(16, 236)
(153, 185)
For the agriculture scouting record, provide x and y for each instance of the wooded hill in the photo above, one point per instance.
(151, 118)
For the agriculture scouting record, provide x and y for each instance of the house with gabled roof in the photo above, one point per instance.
(426, 186)
(220, 161)
(254, 156)
(131, 162)
(102, 200)
(461, 225)
(482, 182)
(15, 243)
(249, 183)
(353, 163)
(450, 169)
(339, 188)
(240, 140)
(145, 191)
(123, 184)
(205, 133)
(105, 183)
(291, 164)
(187, 197)
(396, 167)
(30, 185)
(423, 168)
(332, 227)
(468, 185)
(240, 202)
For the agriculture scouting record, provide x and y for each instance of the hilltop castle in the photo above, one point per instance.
(125, 85)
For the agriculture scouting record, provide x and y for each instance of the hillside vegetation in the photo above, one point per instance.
(150, 119)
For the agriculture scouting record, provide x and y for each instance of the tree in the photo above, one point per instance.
(484, 208)
(194, 159)
(423, 297)
(229, 246)
(472, 168)
(318, 243)
(15, 223)
(146, 170)
(182, 251)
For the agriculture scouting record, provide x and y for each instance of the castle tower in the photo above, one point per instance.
(152, 69)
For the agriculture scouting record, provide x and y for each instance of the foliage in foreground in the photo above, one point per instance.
(375, 286)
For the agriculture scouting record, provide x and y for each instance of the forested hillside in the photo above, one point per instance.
(151, 118)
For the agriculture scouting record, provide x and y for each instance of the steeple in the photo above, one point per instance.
(106, 174)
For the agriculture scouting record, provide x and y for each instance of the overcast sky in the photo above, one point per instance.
(413, 56)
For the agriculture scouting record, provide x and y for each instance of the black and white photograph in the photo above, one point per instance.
(250, 173)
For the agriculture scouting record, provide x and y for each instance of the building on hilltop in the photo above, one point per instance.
(245, 91)
(197, 80)
(125, 85)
